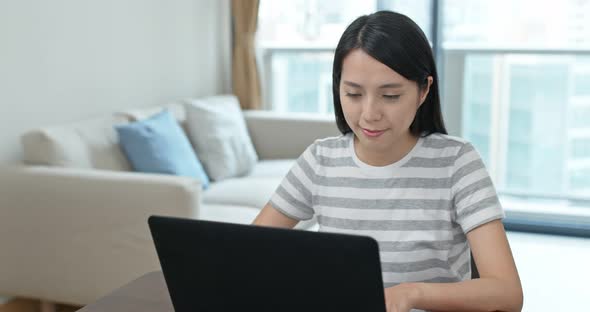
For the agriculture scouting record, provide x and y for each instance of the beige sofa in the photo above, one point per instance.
(73, 218)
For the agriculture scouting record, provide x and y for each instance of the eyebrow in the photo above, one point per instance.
(385, 86)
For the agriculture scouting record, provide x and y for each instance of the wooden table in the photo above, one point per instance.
(146, 294)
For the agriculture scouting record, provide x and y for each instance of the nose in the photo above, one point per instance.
(371, 110)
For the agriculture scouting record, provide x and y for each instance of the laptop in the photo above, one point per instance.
(215, 266)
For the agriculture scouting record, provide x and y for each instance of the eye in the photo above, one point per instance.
(353, 94)
(391, 97)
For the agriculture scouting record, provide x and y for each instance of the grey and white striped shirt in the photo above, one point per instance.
(418, 209)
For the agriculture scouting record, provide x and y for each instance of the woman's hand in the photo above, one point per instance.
(402, 297)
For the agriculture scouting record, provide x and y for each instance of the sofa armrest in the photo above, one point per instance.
(84, 230)
(282, 136)
(117, 196)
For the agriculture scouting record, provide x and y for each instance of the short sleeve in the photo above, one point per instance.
(474, 195)
(293, 197)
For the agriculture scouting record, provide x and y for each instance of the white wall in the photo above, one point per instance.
(63, 60)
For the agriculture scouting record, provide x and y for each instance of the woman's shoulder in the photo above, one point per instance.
(335, 146)
(334, 142)
(447, 145)
(444, 140)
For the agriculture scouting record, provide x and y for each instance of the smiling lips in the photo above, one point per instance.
(372, 133)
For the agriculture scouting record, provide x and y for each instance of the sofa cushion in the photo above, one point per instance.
(254, 190)
(241, 215)
(247, 191)
(158, 145)
(218, 131)
(227, 213)
(272, 168)
(88, 144)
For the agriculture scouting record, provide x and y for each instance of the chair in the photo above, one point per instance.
(474, 271)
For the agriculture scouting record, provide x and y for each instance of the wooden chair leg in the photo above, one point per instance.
(48, 306)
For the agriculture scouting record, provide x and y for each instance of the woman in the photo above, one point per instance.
(395, 175)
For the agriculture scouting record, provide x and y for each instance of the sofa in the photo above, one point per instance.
(74, 215)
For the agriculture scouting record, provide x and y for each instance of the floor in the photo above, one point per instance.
(554, 271)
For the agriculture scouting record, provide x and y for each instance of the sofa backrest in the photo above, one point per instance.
(91, 143)
(177, 109)
(286, 136)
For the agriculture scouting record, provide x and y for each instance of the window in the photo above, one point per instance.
(296, 42)
(522, 93)
(519, 89)
(524, 23)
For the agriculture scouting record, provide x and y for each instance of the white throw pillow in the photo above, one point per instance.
(217, 129)
(89, 143)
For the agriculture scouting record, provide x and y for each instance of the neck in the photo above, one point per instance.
(390, 154)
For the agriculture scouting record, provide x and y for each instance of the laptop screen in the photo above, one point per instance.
(214, 266)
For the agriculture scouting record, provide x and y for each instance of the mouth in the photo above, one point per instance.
(372, 133)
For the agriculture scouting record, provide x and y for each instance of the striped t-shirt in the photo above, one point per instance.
(418, 208)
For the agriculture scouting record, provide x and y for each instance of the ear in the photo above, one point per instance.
(424, 91)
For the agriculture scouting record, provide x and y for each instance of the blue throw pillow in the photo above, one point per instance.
(158, 145)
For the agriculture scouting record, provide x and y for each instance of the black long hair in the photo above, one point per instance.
(396, 41)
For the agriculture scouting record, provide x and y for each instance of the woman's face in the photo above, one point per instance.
(379, 104)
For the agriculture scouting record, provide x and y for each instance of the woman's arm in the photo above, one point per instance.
(497, 289)
(269, 216)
